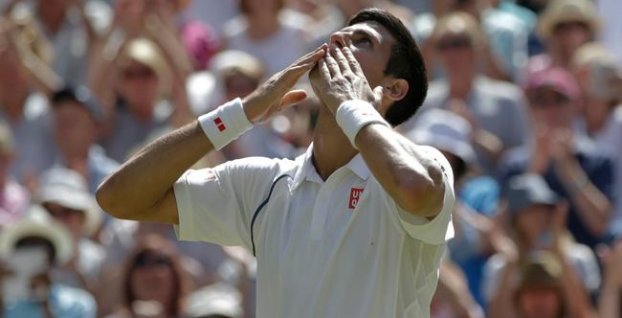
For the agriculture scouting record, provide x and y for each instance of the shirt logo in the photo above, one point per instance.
(355, 194)
(219, 124)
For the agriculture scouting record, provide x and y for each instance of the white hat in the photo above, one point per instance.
(68, 188)
(37, 223)
(446, 131)
(216, 299)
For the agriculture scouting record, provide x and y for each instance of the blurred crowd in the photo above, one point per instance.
(524, 101)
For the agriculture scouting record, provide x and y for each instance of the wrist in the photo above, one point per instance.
(354, 115)
(225, 124)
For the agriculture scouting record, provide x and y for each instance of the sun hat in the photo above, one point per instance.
(145, 51)
(219, 299)
(528, 189)
(605, 76)
(37, 223)
(68, 188)
(560, 11)
(446, 131)
(555, 78)
(540, 270)
(233, 61)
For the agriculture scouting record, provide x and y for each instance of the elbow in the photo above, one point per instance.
(108, 200)
(422, 195)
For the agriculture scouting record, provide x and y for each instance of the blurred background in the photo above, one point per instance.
(524, 100)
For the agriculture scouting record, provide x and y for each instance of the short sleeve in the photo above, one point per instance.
(439, 229)
(214, 204)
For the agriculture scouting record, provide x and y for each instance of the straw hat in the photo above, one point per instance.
(37, 223)
(232, 61)
(560, 11)
(145, 51)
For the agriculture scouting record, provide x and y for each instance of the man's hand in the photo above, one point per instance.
(340, 78)
(274, 95)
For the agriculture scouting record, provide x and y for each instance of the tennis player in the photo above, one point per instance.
(353, 228)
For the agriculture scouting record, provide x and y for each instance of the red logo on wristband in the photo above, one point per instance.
(219, 124)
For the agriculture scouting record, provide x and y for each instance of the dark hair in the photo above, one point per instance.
(42, 241)
(80, 95)
(156, 246)
(405, 62)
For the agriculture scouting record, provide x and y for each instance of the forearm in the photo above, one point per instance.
(592, 205)
(501, 305)
(147, 177)
(577, 299)
(411, 176)
(609, 302)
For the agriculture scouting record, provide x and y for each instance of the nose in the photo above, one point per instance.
(339, 39)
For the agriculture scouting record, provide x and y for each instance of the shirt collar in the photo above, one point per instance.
(307, 169)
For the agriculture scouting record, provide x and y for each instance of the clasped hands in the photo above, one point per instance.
(336, 77)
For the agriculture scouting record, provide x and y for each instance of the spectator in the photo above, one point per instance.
(507, 36)
(154, 284)
(70, 26)
(564, 26)
(600, 119)
(36, 246)
(24, 108)
(610, 302)
(569, 162)
(137, 107)
(64, 195)
(533, 210)
(541, 291)
(202, 262)
(504, 45)
(13, 197)
(261, 33)
(494, 109)
(77, 116)
(477, 195)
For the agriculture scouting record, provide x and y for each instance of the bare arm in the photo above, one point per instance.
(609, 303)
(142, 189)
(412, 178)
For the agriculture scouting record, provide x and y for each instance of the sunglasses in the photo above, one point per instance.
(454, 43)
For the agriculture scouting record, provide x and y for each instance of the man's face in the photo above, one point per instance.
(75, 130)
(371, 45)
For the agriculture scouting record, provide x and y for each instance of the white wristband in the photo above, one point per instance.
(353, 115)
(225, 123)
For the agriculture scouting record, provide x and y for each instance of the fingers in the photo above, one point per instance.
(342, 62)
(305, 63)
(352, 62)
(311, 58)
(333, 66)
(323, 67)
(292, 97)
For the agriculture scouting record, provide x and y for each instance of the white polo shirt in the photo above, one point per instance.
(336, 248)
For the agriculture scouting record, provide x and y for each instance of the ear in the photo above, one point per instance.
(395, 89)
